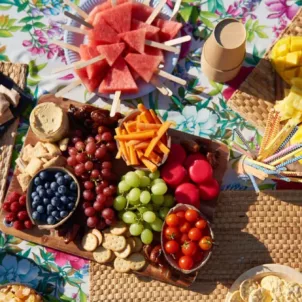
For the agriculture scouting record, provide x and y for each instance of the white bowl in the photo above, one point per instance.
(78, 39)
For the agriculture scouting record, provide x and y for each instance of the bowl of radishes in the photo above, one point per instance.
(190, 175)
(186, 238)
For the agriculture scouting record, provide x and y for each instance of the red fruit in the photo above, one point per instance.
(177, 154)
(15, 206)
(92, 222)
(6, 206)
(98, 206)
(191, 215)
(89, 212)
(171, 247)
(189, 248)
(209, 190)
(172, 233)
(13, 196)
(185, 227)
(18, 225)
(22, 215)
(172, 220)
(187, 193)
(195, 234)
(200, 171)
(22, 200)
(184, 238)
(28, 224)
(185, 262)
(86, 205)
(101, 225)
(10, 217)
(109, 201)
(181, 216)
(191, 159)
(173, 174)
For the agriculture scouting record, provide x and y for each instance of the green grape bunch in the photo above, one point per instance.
(143, 203)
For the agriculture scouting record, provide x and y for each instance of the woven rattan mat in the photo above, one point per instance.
(257, 94)
(17, 72)
(249, 230)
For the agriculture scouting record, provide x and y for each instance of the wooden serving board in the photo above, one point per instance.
(52, 240)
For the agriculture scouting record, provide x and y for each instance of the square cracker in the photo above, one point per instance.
(27, 152)
(24, 180)
(34, 166)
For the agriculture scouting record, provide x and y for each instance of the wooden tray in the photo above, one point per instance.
(52, 239)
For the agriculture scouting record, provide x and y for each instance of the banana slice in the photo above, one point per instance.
(260, 295)
(275, 285)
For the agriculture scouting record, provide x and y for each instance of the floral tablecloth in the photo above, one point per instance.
(27, 28)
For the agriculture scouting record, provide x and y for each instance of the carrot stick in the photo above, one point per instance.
(142, 145)
(119, 154)
(140, 154)
(127, 151)
(136, 135)
(143, 109)
(123, 149)
(162, 131)
(150, 165)
(130, 126)
(133, 142)
(163, 148)
(133, 157)
(143, 118)
(143, 126)
(154, 116)
(155, 158)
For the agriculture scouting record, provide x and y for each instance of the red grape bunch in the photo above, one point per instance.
(91, 158)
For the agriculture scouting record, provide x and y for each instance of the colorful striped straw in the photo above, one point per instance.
(286, 141)
(245, 143)
(290, 161)
(282, 153)
(285, 157)
(254, 183)
(240, 149)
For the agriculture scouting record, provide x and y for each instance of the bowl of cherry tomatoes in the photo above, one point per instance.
(186, 238)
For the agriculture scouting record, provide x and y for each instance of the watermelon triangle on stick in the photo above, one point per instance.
(141, 11)
(168, 29)
(135, 39)
(150, 29)
(144, 65)
(119, 17)
(118, 78)
(111, 52)
(90, 84)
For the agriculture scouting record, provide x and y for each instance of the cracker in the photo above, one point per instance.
(275, 285)
(260, 295)
(114, 243)
(112, 258)
(98, 235)
(52, 149)
(59, 161)
(124, 253)
(138, 244)
(27, 152)
(246, 287)
(137, 261)
(121, 265)
(39, 150)
(119, 228)
(235, 297)
(63, 144)
(89, 242)
(24, 180)
(34, 166)
(102, 255)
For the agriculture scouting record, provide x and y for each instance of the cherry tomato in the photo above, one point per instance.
(191, 215)
(195, 234)
(172, 220)
(171, 247)
(172, 233)
(189, 248)
(185, 262)
(185, 228)
(184, 238)
(198, 257)
(201, 224)
(181, 216)
(206, 243)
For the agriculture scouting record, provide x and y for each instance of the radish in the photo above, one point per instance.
(187, 193)
(209, 190)
(191, 159)
(173, 174)
(177, 154)
(200, 171)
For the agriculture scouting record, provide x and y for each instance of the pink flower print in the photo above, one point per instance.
(26, 43)
(41, 51)
(280, 8)
(51, 33)
(38, 33)
(50, 54)
(42, 40)
(62, 259)
(234, 10)
(34, 50)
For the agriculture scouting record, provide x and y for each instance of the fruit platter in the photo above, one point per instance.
(123, 191)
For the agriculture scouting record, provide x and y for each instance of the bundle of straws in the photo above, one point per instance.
(274, 154)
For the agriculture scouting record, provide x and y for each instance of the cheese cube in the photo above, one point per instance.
(290, 73)
(296, 44)
(292, 59)
(282, 50)
(279, 64)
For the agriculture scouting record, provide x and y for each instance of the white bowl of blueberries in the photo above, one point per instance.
(52, 197)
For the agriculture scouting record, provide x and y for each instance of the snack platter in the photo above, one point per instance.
(55, 238)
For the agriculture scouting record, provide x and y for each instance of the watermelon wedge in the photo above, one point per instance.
(118, 78)
(102, 32)
(153, 51)
(119, 17)
(141, 11)
(111, 52)
(96, 70)
(90, 84)
(168, 29)
(150, 29)
(135, 39)
(144, 65)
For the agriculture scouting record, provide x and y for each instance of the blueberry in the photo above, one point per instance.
(67, 177)
(73, 186)
(63, 214)
(37, 199)
(44, 175)
(58, 174)
(46, 201)
(70, 206)
(72, 198)
(51, 220)
(49, 192)
(34, 194)
(42, 193)
(37, 181)
(64, 199)
(61, 180)
(40, 209)
(39, 188)
(54, 186)
(55, 201)
(50, 208)
(47, 185)
(55, 213)
(35, 204)
(62, 189)
(61, 207)
(35, 215)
